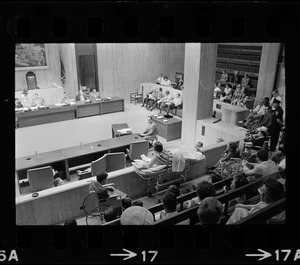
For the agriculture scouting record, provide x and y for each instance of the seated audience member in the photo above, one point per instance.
(151, 130)
(38, 101)
(276, 124)
(225, 98)
(162, 103)
(217, 90)
(271, 191)
(166, 81)
(231, 151)
(176, 191)
(237, 94)
(263, 168)
(238, 181)
(279, 159)
(198, 147)
(154, 103)
(126, 203)
(98, 187)
(259, 138)
(243, 99)
(228, 91)
(224, 76)
(160, 79)
(236, 79)
(266, 119)
(94, 95)
(255, 114)
(71, 222)
(203, 189)
(174, 103)
(111, 213)
(150, 96)
(18, 104)
(275, 95)
(65, 98)
(137, 215)
(179, 85)
(138, 203)
(160, 156)
(25, 99)
(169, 204)
(210, 211)
(81, 96)
(245, 80)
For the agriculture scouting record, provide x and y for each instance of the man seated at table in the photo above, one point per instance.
(38, 101)
(18, 104)
(174, 103)
(94, 95)
(151, 131)
(25, 99)
(66, 98)
(81, 96)
(166, 81)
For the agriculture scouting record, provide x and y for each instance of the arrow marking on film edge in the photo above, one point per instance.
(263, 255)
(129, 254)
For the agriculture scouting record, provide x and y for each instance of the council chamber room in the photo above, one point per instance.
(150, 133)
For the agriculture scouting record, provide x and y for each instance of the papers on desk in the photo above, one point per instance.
(33, 108)
(41, 107)
(19, 109)
(58, 104)
(72, 103)
(108, 97)
(155, 115)
(124, 131)
(159, 117)
(165, 120)
(98, 98)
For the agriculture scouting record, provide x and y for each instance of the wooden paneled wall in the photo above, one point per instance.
(122, 67)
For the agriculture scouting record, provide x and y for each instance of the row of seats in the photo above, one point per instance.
(224, 198)
(42, 178)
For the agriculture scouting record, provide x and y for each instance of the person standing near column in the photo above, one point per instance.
(276, 124)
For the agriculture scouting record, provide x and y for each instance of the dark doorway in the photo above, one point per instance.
(86, 60)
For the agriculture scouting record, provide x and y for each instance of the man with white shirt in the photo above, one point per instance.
(174, 103)
(163, 102)
(275, 95)
(38, 101)
(257, 112)
(166, 81)
(263, 168)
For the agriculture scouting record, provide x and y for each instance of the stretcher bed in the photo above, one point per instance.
(162, 175)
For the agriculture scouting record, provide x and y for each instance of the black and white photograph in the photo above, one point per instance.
(152, 134)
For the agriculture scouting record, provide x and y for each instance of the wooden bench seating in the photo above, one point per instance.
(260, 217)
(181, 199)
(223, 198)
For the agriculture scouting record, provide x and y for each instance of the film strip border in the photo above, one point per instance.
(158, 22)
(154, 22)
(181, 245)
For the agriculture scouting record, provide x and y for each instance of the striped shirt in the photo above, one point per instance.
(164, 158)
